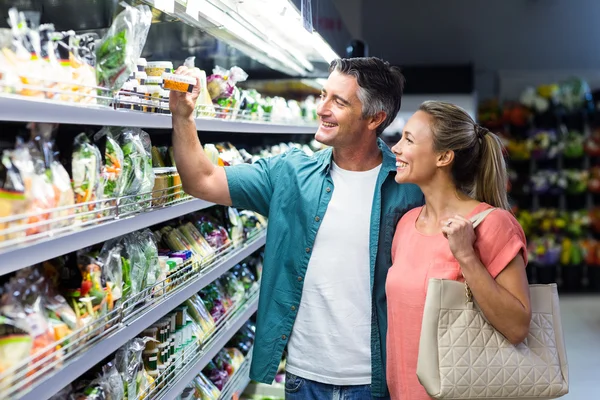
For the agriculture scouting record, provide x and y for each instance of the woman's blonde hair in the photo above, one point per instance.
(478, 169)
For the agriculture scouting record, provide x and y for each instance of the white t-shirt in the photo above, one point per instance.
(331, 339)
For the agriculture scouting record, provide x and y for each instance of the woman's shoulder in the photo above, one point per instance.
(499, 223)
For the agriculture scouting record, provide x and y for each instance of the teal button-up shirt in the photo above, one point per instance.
(292, 190)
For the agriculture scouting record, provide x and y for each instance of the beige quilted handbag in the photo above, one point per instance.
(461, 356)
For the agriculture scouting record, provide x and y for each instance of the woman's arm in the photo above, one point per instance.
(504, 301)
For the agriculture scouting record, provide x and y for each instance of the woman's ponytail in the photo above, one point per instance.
(492, 177)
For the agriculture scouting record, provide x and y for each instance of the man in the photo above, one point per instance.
(331, 221)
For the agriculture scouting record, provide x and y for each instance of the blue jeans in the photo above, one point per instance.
(297, 388)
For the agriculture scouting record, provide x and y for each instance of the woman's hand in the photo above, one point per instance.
(461, 236)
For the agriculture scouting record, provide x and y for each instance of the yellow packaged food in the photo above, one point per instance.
(179, 83)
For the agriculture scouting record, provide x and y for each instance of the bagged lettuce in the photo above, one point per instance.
(86, 168)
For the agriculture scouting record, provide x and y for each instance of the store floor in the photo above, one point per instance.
(581, 323)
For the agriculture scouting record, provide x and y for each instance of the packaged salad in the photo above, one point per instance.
(205, 389)
(41, 135)
(24, 300)
(112, 169)
(201, 316)
(16, 344)
(38, 186)
(120, 48)
(137, 169)
(13, 198)
(86, 169)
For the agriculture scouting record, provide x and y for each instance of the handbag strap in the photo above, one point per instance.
(476, 220)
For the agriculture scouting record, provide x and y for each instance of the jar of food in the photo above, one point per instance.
(154, 98)
(158, 68)
(161, 185)
(180, 83)
(154, 81)
(141, 64)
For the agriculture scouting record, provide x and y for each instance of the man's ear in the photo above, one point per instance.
(377, 120)
(445, 158)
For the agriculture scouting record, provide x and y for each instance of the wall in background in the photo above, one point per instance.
(498, 37)
(351, 13)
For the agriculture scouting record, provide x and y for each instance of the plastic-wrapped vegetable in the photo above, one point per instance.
(233, 287)
(215, 300)
(246, 277)
(24, 300)
(133, 167)
(137, 167)
(224, 362)
(57, 175)
(119, 49)
(16, 345)
(13, 200)
(200, 314)
(194, 236)
(148, 172)
(112, 170)
(236, 226)
(135, 263)
(128, 361)
(38, 187)
(218, 376)
(110, 258)
(236, 356)
(214, 234)
(205, 389)
(86, 171)
(252, 222)
(146, 239)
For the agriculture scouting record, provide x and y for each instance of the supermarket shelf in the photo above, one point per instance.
(77, 366)
(19, 109)
(20, 256)
(215, 346)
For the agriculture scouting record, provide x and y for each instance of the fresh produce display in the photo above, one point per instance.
(147, 363)
(228, 360)
(42, 306)
(552, 142)
(45, 64)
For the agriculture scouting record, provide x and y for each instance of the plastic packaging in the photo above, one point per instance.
(158, 68)
(119, 50)
(180, 83)
(13, 200)
(86, 171)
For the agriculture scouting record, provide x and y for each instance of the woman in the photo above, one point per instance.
(460, 168)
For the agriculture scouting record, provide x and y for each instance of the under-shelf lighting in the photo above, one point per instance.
(223, 20)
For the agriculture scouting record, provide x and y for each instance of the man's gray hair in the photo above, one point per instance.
(380, 86)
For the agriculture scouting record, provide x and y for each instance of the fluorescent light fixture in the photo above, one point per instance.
(281, 22)
(226, 22)
(324, 48)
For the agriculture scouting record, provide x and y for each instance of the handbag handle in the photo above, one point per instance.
(476, 220)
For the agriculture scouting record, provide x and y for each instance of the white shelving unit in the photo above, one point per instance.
(114, 330)
(55, 381)
(18, 108)
(20, 256)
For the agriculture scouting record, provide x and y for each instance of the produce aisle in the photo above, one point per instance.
(552, 141)
(115, 283)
